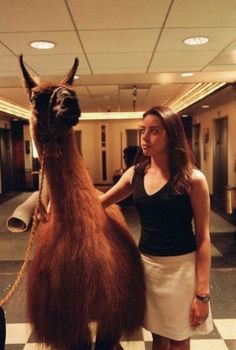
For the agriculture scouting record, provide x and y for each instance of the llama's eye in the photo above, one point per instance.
(40, 97)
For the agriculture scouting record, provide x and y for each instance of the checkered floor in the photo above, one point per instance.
(223, 337)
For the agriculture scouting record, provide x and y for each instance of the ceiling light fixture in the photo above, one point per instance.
(198, 92)
(42, 45)
(76, 77)
(187, 74)
(196, 40)
(13, 109)
(111, 115)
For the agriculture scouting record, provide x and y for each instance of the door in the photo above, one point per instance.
(6, 160)
(19, 156)
(196, 144)
(220, 160)
(132, 137)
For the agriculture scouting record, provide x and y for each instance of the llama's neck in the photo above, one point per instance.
(69, 183)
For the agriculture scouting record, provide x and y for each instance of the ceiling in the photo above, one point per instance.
(120, 44)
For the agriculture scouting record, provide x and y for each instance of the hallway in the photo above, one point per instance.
(223, 285)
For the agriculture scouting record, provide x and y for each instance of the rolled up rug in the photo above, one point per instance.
(2, 329)
(21, 217)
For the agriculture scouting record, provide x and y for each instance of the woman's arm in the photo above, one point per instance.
(121, 190)
(201, 212)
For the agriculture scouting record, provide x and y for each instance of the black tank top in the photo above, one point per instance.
(165, 218)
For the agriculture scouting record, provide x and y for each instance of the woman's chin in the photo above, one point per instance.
(146, 152)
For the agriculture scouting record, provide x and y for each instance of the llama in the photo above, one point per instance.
(86, 266)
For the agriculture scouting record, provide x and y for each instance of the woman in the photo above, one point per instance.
(169, 192)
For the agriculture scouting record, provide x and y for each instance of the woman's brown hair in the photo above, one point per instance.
(179, 152)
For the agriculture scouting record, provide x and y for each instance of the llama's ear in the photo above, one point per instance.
(68, 79)
(28, 81)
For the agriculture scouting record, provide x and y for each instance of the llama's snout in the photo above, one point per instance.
(69, 102)
(69, 111)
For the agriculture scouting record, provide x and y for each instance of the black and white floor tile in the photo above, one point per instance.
(19, 337)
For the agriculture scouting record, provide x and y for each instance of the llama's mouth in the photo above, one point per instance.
(68, 119)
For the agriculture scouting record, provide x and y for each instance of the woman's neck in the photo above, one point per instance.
(160, 164)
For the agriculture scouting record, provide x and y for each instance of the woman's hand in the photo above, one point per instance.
(198, 312)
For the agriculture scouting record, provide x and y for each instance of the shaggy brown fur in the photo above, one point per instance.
(86, 266)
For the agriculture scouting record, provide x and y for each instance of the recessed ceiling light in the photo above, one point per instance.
(196, 40)
(205, 106)
(42, 45)
(76, 77)
(187, 74)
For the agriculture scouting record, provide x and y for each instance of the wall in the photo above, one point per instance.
(91, 146)
(116, 141)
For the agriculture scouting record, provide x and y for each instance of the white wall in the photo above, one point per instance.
(115, 142)
(91, 146)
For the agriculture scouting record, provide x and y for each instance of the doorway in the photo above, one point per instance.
(6, 161)
(220, 159)
(132, 137)
(196, 145)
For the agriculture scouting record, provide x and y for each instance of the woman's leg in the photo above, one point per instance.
(160, 343)
(179, 345)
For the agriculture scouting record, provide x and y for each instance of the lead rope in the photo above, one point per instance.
(39, 210)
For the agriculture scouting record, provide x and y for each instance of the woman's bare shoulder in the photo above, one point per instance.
(197, 175)
(198, 178)
(129, 173)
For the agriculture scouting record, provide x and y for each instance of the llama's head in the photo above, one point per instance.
(55, 107)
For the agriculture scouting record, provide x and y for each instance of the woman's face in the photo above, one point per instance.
(153, 136)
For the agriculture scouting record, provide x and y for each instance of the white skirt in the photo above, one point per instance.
(170, 290)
